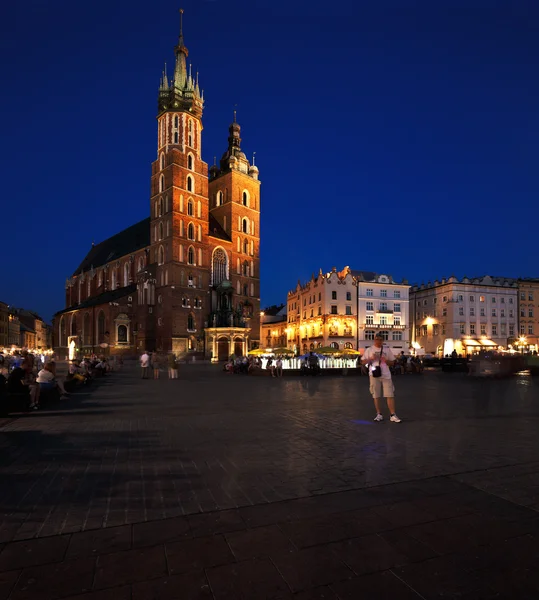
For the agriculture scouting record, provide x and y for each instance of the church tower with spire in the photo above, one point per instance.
(179, 207)
(234, 199)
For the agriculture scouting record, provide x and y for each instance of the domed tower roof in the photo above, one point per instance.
(234, 157)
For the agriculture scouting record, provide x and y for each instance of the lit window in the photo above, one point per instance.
(481, 298)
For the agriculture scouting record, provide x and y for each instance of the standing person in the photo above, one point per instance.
(155, 364)
(145, 365)
(172, 367)
(379, 358)
(279, 367)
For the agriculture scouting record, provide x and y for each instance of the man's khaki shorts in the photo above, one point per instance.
(382, 388)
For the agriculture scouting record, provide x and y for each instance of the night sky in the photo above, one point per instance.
(398, 137)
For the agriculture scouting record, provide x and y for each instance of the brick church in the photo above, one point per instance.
(186, 279)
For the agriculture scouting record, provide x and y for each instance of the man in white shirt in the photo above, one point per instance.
(145, 365)
(379, 358)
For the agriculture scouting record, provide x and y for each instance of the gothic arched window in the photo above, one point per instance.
(100, 327)
(219, 199)
(161, 255)
(161, 183)
(246, 247)
(219, 266)
(160, 231)
(191, 322)
(190, 208)
(190, 231)
(245, 289)
(190, 162)
(189, 184)
(162, 162)
(176, 121)
(160, 207)
(86, 330)
(126, 274)
(245, 199)
(191, 255)
(245, 226)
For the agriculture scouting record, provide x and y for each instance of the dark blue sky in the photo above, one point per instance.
(399, 137)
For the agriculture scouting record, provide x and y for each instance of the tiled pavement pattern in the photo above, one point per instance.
(247, 488)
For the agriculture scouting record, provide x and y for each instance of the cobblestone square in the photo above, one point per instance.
(241, 487)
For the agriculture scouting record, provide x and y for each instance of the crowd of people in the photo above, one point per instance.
(27, 380)
(155, 363)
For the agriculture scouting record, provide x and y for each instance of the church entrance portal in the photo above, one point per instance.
(222, 349)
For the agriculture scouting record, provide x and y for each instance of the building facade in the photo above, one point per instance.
(4, 325)
(464, 315)
(187, 278)
(273, 327)
(383, 307)
(323, 312)
(14, 327)
(528, 320)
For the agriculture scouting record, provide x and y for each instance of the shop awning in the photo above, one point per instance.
(470, 343)
(488, 343)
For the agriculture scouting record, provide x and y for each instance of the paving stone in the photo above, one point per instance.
(259, 542)
(217, 522)
(404, 513)
(121, 593)
(132, 566)
(407, 546)
(374, 586)
(58, 580)
(440, 578)
(368, 554)
(191, 586)
(99, 541)
(249, 580)
(319, 593)
(8, 579)
(198, 553)
(160, 532)
(311, 567)
(31, 553)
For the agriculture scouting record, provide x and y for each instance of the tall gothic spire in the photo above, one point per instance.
(180, 72)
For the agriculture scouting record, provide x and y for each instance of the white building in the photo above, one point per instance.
(464, 315)
(383, 306)
(346, 309)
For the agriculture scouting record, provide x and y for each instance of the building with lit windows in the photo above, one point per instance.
(273, 326)
(185, 279)
(465, 315)
(528, 320)
(383, 307)
(346, 309)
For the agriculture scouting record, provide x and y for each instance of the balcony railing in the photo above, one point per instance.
(385, 311)
(379, 326)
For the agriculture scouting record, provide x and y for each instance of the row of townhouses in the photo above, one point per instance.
(20, 328)
(345, 309)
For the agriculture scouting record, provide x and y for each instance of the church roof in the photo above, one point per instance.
(216, 230)
(103, 298)
(125, 242)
